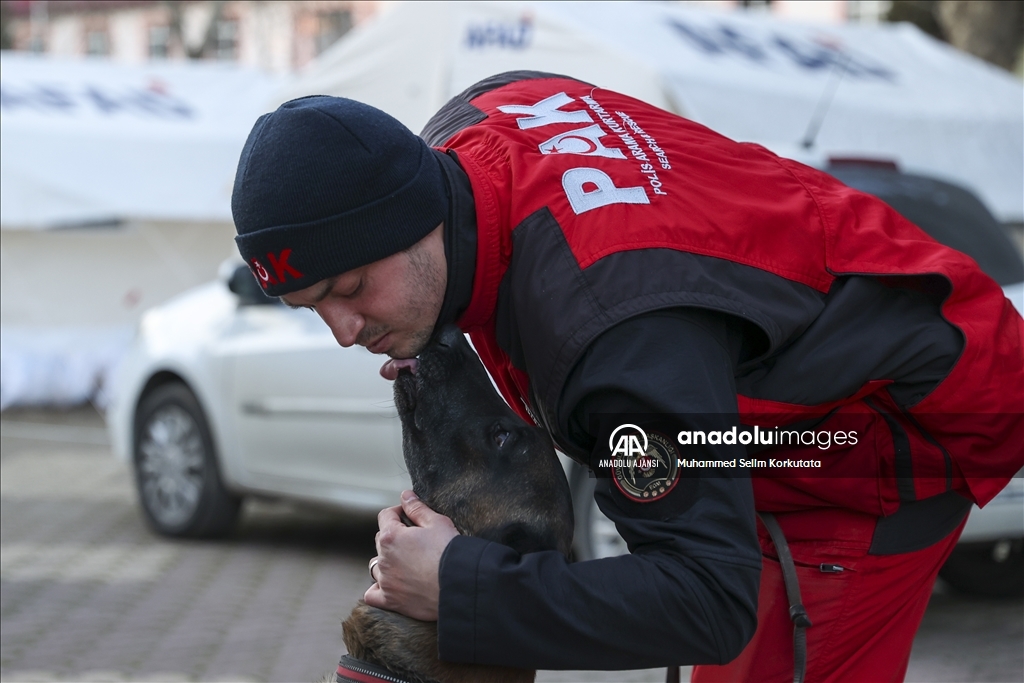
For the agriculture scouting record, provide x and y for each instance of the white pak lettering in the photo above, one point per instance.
(546, 112)
(584, 141)
(575, 179)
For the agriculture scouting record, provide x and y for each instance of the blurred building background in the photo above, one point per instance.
(275, 36)
(283, 36)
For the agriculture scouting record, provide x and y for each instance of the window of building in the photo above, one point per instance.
(867, 11)
(159, 42)
(38, 23)
(97, 42)
(332, 26)
(226, 39)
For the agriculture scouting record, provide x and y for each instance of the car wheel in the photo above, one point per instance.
(595, 536)
(176, 472)
(987, 569)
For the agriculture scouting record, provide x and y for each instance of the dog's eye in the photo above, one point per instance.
(500, 437)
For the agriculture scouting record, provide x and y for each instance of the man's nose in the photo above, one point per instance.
(344, 323)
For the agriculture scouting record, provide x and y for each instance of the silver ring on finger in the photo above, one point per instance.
(373, 563)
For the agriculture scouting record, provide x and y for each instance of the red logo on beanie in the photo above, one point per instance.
(262, 276)
(281, 269)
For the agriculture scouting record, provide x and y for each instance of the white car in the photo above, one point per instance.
(223, 395)
(227, 393)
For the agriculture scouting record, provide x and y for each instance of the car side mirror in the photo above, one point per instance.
(244, 285)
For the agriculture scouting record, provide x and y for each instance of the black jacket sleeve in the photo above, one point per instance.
(687, 593)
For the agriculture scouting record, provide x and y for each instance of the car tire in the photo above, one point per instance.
(177, 476)
(993, 569)
(595, 535)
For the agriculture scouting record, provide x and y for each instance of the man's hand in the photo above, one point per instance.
(409, 558)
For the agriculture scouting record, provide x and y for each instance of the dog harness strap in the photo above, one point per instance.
(797, 613)
(352, 670)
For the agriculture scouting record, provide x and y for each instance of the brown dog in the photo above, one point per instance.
(474, 460)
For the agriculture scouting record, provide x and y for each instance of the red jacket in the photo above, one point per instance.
(593, 207)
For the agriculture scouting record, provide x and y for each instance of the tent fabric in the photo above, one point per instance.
(71, 300)
(893, 93)
(88, 141)
(60, 366)
(137, 163)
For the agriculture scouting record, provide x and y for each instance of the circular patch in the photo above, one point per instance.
(648, 477)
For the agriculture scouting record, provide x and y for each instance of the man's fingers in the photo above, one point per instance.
(374, 571)
(374, 597)
(417, 511)
(405, 574)
(389, 517)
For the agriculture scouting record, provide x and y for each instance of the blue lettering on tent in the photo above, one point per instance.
(103, 102)
(158, 104)
(724, 40)
(147, 102)
(701, 39)
(54, 98)
(737, 42)
(514, 36)
(817, 56)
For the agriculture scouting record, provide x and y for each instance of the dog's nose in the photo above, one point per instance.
(449, 336)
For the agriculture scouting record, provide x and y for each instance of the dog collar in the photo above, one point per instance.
(352, 670)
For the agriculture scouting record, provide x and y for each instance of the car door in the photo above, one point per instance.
(312, 419)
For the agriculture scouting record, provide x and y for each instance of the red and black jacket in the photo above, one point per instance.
(781, 295)
(593, 208)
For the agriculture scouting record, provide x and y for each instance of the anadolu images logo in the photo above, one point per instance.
(644, 466)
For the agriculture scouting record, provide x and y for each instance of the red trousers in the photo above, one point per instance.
(864, 617)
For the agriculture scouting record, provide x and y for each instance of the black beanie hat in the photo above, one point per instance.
(327, 184)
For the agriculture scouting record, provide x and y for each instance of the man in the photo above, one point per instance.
(608, 259)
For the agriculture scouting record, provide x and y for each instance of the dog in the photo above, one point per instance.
(474, 460)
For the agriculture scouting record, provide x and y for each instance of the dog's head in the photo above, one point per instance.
(473, 459)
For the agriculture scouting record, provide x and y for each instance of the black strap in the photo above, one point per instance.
(797, 613)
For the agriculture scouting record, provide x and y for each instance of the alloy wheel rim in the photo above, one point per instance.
(171, 458)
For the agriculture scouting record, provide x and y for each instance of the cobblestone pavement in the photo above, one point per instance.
(88, 593)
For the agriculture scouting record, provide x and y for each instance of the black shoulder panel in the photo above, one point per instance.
(449, 120)
(507, 78)
(458, 113)
(867, 330)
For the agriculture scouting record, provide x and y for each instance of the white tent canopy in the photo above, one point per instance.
(893, 92)
(137, 164)
(92, 141)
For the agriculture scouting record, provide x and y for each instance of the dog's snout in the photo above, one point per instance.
(449, 336)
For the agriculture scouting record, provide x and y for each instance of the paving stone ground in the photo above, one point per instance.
(89, 594)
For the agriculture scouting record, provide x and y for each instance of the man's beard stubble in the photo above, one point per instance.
(427, 279)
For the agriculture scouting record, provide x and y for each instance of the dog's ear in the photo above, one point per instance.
(521, 537)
